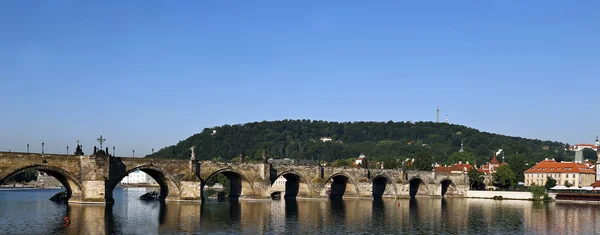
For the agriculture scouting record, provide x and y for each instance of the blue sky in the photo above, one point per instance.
(147, 74)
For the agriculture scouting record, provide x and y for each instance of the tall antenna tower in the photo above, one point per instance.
(438, 115)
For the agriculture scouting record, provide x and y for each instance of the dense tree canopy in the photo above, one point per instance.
(516, 163)
(476, 179)
(463, 157)
(504, 177)
(589, 153)
(550, 183)
(389, 142)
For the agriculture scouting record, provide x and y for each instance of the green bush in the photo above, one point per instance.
(568, 184)
(538, 192)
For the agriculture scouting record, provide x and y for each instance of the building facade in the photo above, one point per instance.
(576, 174)
(138, 177)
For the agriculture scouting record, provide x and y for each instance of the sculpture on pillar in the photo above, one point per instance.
(193, 157)
(241, 156)
(264, 157)
(78, 151)
(95, 149)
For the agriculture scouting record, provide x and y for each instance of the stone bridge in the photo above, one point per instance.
(93, 178)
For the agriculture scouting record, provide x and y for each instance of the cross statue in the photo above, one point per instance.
(101, 140)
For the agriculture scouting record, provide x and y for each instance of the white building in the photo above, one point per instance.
(325, 139)
(279, 184)
(359, 160)
(138, 177)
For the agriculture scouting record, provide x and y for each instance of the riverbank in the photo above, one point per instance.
(3, 188)
(504, 194)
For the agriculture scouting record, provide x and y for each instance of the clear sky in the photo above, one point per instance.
(146, 74)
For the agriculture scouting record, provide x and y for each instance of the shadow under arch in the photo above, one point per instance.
(448, 187)
(67, 179)
(380, 184)
(417, 187)
(295, 185)
(341, 184)
(169, 188)
(239, 184)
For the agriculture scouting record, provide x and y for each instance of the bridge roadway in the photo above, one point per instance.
(91, 179)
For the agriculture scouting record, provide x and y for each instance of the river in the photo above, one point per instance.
(30, 212)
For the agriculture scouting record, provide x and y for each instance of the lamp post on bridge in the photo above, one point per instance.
(67, 150)
(42, 148)
(133, 153)
(27, 148)
(113, 151)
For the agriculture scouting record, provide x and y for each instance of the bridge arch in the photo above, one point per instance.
(417, 187)
(380, 185)
(71, 183)
(239, 184)
(169, 188)
(340, 184)
(295, 185)
(448, 187)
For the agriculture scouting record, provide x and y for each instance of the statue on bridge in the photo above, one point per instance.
(193, 157)
(78, 151)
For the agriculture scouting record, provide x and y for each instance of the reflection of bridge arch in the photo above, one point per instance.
(448, 187)
(380, 183)
(168, 184)
(296, 184)
(239, 184)
(341, 183)
(67, 179)
(417, 187)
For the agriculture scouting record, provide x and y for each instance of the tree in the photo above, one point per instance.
(517, 165)
(23, 176)
(550, 183)
(537, 192)
(589, 153)
(476, 179)
(504, 177)
(423, 161)
(461, 157)
(568, 184)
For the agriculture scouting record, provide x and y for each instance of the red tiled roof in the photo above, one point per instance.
(454, 167)
(596, 184)
(494, 160)
(551, 166)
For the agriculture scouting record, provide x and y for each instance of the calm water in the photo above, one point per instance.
(30, 212)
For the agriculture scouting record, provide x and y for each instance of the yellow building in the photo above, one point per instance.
(577, 174)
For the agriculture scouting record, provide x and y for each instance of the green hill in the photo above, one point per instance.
(301, 139)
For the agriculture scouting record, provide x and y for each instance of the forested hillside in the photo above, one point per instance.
(389, 141)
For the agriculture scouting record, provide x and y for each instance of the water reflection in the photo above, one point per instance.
(381, 216)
